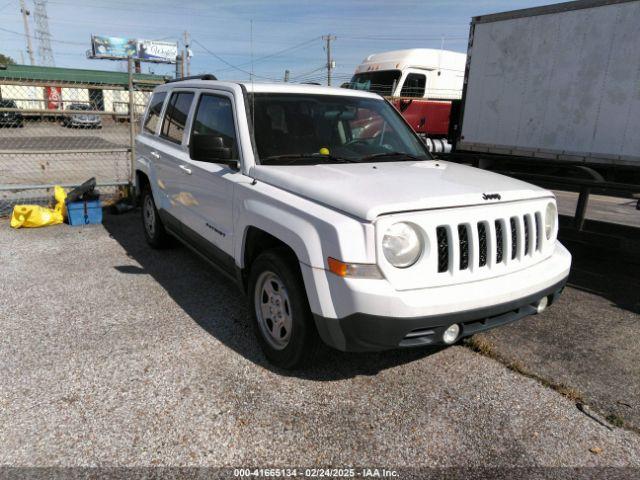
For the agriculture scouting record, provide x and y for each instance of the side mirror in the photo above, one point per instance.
(209, 148)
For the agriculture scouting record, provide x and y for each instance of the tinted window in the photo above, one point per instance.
(214, 117)
(175, 118)
(155, 107)
(381, 81)
(414, 85)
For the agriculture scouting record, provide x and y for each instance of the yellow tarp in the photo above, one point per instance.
(29, 216)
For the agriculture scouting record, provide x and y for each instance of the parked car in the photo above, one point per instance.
(11, 118)
(337, 231)
(81, 120)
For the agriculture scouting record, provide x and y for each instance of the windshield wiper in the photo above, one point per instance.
(378, 156)
(292, 157)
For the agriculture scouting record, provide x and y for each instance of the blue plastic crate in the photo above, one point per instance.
(85, 212)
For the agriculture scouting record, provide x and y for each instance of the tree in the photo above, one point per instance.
(6, 60)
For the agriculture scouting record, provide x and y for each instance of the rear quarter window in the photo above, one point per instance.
(153, 114)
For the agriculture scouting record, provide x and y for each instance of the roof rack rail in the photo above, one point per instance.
(206, 76)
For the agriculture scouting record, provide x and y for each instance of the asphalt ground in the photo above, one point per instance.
(602, 208)
(587, 344)
(113, 354)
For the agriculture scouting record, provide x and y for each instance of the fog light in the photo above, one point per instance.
(451, 334)
(542, 304)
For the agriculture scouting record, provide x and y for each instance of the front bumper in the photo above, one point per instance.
(362, 332)
(370, 315)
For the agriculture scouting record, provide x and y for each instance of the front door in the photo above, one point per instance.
(210, 213)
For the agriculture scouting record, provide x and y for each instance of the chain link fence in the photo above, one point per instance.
(63, 133)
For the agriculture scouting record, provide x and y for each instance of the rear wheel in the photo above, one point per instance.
(154, 230)
(278, 302)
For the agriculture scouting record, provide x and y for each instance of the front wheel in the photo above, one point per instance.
(278, 302)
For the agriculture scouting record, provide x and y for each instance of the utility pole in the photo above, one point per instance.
(179, 65)
(187, 55)
(25, 14)
(286, 75)
(330, 63)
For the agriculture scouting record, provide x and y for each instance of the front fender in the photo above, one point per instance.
(313, 231)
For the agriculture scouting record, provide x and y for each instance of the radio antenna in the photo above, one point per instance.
(253, 95)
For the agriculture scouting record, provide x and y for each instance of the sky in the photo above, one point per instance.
(286, 34)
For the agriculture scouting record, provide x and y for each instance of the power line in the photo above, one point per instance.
(275, 54)
(305, 74)
(234, 67)
(52, 40)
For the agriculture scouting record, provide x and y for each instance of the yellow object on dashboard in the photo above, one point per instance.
(324, 151)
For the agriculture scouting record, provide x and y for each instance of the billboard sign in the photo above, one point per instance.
(117, 48)
(154, 51)
(113, 47)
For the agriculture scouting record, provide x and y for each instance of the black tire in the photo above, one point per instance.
(303, 339)
(156, 236)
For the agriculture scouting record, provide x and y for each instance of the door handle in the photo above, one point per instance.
(185, 169)
(155, 154)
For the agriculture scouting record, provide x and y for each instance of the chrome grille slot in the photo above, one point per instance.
(463, 235)
(443, 249)
(538, 217)
(482, 243)
(514, 237)
(526, 234)
(499, 242)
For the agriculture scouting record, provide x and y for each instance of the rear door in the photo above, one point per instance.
(149, 148)
(172, 155)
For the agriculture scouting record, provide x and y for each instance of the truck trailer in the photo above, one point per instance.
(552, 87)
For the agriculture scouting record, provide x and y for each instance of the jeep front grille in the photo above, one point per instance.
(486, 243)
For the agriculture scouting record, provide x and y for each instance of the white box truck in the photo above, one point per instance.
(556, 84)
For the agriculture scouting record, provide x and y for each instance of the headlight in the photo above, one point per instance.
(550, 219)
(401, 245)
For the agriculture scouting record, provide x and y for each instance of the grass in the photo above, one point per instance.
(615, 420)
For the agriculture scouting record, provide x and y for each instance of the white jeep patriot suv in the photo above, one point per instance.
(329, 212)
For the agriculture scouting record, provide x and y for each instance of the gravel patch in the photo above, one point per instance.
(112, 354)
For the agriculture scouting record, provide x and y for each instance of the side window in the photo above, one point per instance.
(214, 118)
(414, 85)
(153, 116)
(175, 117)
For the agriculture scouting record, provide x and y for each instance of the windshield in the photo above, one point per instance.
(305, 128)
(382, 82)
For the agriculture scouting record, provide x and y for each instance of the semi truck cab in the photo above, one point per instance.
(420, 82)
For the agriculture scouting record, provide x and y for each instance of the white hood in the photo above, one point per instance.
(367, 190)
